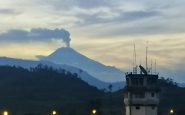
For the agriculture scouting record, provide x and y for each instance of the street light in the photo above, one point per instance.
(54, 113)
(171, 111)
(5, 113)
(94, 111)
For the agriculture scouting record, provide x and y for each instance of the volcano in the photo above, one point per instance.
(73, 58)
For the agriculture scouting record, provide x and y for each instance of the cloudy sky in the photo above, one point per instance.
(103, 30)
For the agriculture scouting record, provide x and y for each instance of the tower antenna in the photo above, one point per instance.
(134, 61)
(155, 66)
(147, 56)
(133, 58)
(151, 66)
(135, 55)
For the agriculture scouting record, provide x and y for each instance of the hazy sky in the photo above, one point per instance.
(103, 30)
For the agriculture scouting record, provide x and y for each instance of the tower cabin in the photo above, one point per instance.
(141, 95)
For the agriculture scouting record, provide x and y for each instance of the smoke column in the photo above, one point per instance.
(37, 34)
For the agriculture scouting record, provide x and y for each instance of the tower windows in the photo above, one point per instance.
(153, 107)
(137, 107)
(141, 81)
(139, 95)
(151, 81)
(152, 94)
(135, 82)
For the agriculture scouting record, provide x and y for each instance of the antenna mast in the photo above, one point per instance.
(133, 58)
(134, 61)
(151, 66)
(135, 55)
(155, 66)
(147, 56)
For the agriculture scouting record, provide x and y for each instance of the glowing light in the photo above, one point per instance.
(171, 111)
(5, 113)
(94, 111)
(54, 113)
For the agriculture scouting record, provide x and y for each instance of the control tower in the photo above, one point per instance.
(141, 95)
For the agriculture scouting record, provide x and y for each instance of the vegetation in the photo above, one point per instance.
(171, 97)
(40, 90)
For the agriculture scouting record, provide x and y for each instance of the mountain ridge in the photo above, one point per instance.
(71, 57)
(82, 74)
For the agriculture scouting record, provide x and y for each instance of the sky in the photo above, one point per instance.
(103, 30)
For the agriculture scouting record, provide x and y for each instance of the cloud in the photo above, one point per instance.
(8, 11)
(133, 17)
(103, 17)
(91, 12)
(36, 34)
(68, 4)
(91, 3)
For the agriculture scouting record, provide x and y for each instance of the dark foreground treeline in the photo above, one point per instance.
(40, 90)
(171, 96)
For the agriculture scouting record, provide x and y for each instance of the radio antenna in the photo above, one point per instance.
(147, 56)
(133, 58)
(155, 66)
(134, 61)
(151, 66)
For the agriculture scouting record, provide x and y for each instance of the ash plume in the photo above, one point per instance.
(37, 34)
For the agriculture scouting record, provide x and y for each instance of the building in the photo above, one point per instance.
(141, 95)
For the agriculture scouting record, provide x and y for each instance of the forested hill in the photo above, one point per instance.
(171, 97)
(41, 88)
